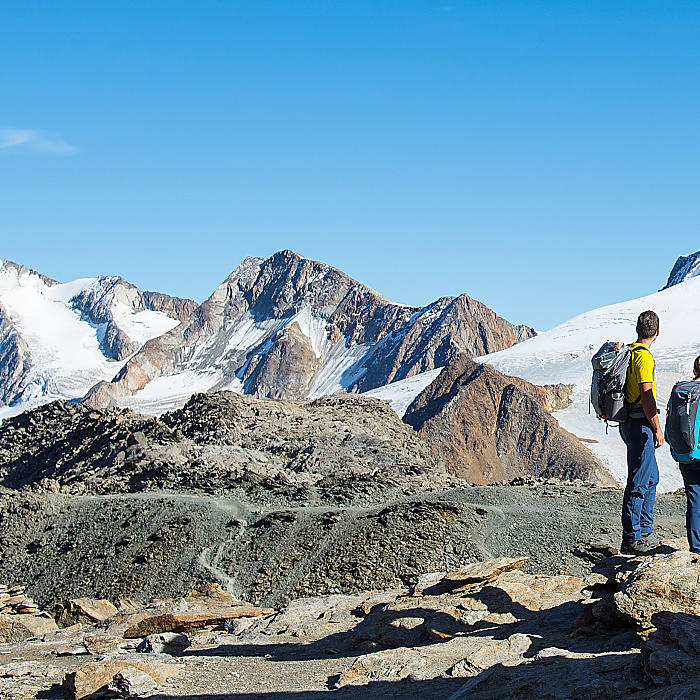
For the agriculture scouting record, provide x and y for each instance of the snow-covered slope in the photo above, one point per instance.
(400, 394)
(53, 336)
(564, 355)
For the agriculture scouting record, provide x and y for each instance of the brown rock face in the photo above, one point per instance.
(287, 369)
(277, 359)
(488, 427)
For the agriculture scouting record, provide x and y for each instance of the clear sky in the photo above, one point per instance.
(543, 157)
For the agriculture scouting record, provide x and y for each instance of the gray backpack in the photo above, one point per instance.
(610, 366)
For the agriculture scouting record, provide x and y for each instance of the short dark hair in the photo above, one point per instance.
(647, 325)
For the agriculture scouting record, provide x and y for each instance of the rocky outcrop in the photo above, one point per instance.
(20, 617)
(686, 267)
(488, 427)
(665, 583)
(174, 307)
(289, 327)
(220, 441)
(14, 359)
(97, 302)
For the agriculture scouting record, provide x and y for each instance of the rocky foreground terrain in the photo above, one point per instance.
(486, 630)
(243, 547)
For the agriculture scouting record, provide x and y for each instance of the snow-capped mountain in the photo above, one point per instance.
(563, 355)
(288, 327)
(58, 340)
(686, 267)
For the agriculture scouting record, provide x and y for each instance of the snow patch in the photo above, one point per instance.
(170, 392)
(340, 368)
(141, 326)
(401, 394)
(65, 350)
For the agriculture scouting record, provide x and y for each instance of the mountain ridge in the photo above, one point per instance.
(289, 327)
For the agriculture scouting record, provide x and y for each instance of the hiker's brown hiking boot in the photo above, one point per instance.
(636, 548)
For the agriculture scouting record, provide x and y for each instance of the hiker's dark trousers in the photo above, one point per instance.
(691, 479)
(642, 478)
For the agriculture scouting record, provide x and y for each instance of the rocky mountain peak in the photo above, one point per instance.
(686, 266)
(290, 327)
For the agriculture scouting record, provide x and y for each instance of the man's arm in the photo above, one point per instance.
(649, 406)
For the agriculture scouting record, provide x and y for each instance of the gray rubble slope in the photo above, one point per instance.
(161, 544)
(274, 500)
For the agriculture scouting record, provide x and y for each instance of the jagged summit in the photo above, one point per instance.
(686, 267)
(289, 327)
(17, 269)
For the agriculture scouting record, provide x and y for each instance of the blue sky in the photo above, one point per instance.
(541, 156)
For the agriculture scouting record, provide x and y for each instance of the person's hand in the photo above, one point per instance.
(658, 437)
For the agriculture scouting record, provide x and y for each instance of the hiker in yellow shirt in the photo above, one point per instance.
(642, 434)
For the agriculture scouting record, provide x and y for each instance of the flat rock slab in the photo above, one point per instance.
(86, 611)
(387, 665)
(187, 621)
(482, 571)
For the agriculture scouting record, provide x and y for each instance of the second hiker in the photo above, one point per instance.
(642, 434)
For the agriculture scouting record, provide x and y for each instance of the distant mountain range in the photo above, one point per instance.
(284, 327)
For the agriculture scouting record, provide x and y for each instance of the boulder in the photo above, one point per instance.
(37, 624)
(387, 665)
(166, 643)
(18, 628)
(131, 682)
(665, 582)
(97, 675)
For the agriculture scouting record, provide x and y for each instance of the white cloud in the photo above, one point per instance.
(34, 140)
